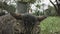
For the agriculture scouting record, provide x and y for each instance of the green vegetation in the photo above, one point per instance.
(29, 1)
(50, 25)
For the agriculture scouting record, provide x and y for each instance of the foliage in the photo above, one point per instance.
(50, 11)
(38, 6)
(29, 1)
(11, 8)
(56, 6)
(37, 13)
(51, 25)
(5, 6)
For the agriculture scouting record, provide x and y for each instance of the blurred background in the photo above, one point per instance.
(50, 8)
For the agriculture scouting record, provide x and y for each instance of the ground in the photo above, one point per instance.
(50, 25)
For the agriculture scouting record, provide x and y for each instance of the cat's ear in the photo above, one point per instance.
(16, 15)
(40, 18)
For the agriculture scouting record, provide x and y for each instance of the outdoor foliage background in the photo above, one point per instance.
(50, 25)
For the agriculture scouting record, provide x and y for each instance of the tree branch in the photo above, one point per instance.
(53, 5)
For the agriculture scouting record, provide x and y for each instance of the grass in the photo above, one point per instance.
(50, 25)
